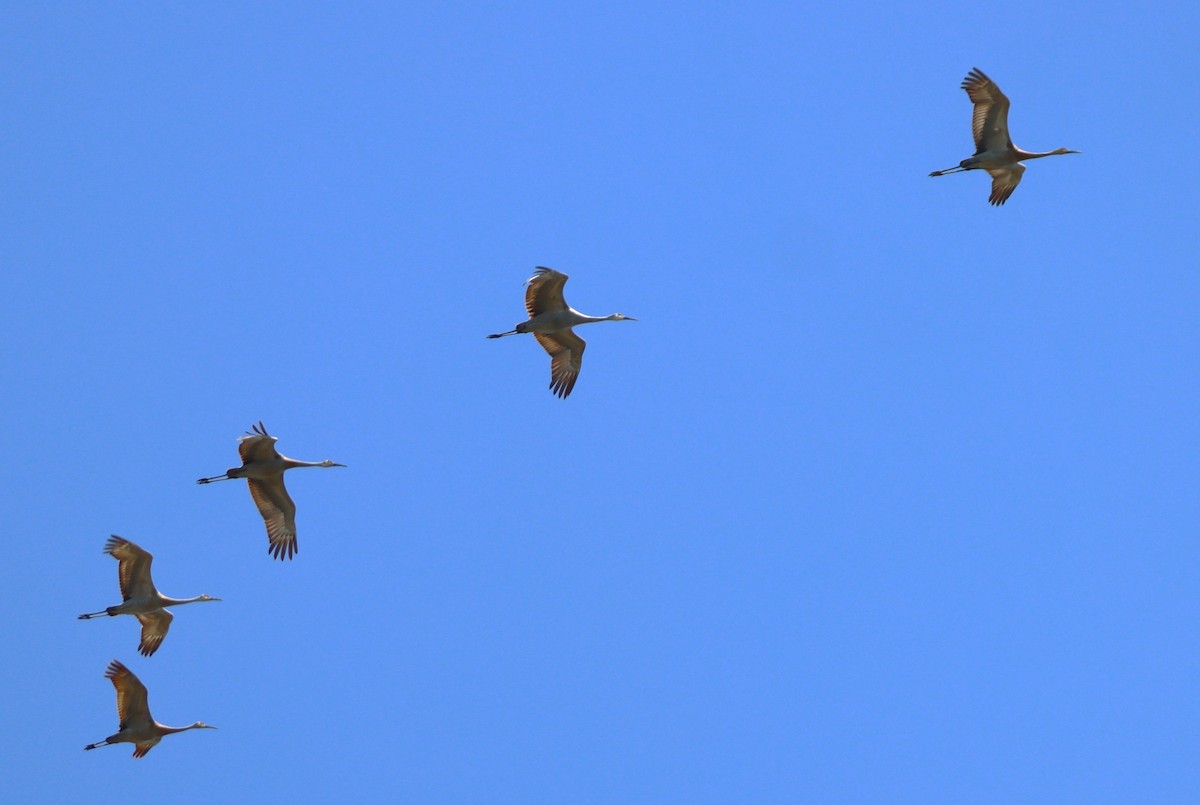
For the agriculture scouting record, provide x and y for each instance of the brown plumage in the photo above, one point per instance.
(550, 321)
(139, 596)
(994, 149)
(137, 726)
(566, 359)
(263, 468)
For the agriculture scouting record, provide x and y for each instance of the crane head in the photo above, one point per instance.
(207, 597)
(1066, 151)
(621, 317)
(328, 463)
(200, 725)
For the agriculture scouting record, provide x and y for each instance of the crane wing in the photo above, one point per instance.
(154, 628)
(544, 293)
(133, 568)
(1004, 182)
(279, 513)
(989, 122)
(132, 709)
(566, 358)
(257, 445)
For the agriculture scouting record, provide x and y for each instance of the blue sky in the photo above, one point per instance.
(888, 496)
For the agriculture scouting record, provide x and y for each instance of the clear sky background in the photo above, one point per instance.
(888, 496)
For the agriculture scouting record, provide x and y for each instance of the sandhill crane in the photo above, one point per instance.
(137, 726)
(994, 151)
(263, 469)
(550, 321)
(139, 597)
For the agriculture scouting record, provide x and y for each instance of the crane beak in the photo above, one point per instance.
(338, 465)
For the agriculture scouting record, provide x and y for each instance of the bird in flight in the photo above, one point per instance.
(139, 597)
(550, 321)
(994, 150)
(263, 468)
(137, 725)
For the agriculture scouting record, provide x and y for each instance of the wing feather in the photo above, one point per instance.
(132, 708)
(566, 358)
(257, 445)
(1004, 182)
(279, 513)
(989, 120)
(154, 628)
(133, 568)
(544, 292)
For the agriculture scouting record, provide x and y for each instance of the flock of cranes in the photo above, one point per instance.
(550, 321)
(263, 468)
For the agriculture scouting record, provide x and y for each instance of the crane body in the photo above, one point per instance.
(139, 596)
(136, 726)
(263, 468)
(994, 150)
(550, 322)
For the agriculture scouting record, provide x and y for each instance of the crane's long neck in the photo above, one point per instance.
(291, 463)
(1024, 155)
(174, 602)
(165, 730)
(586, 319)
